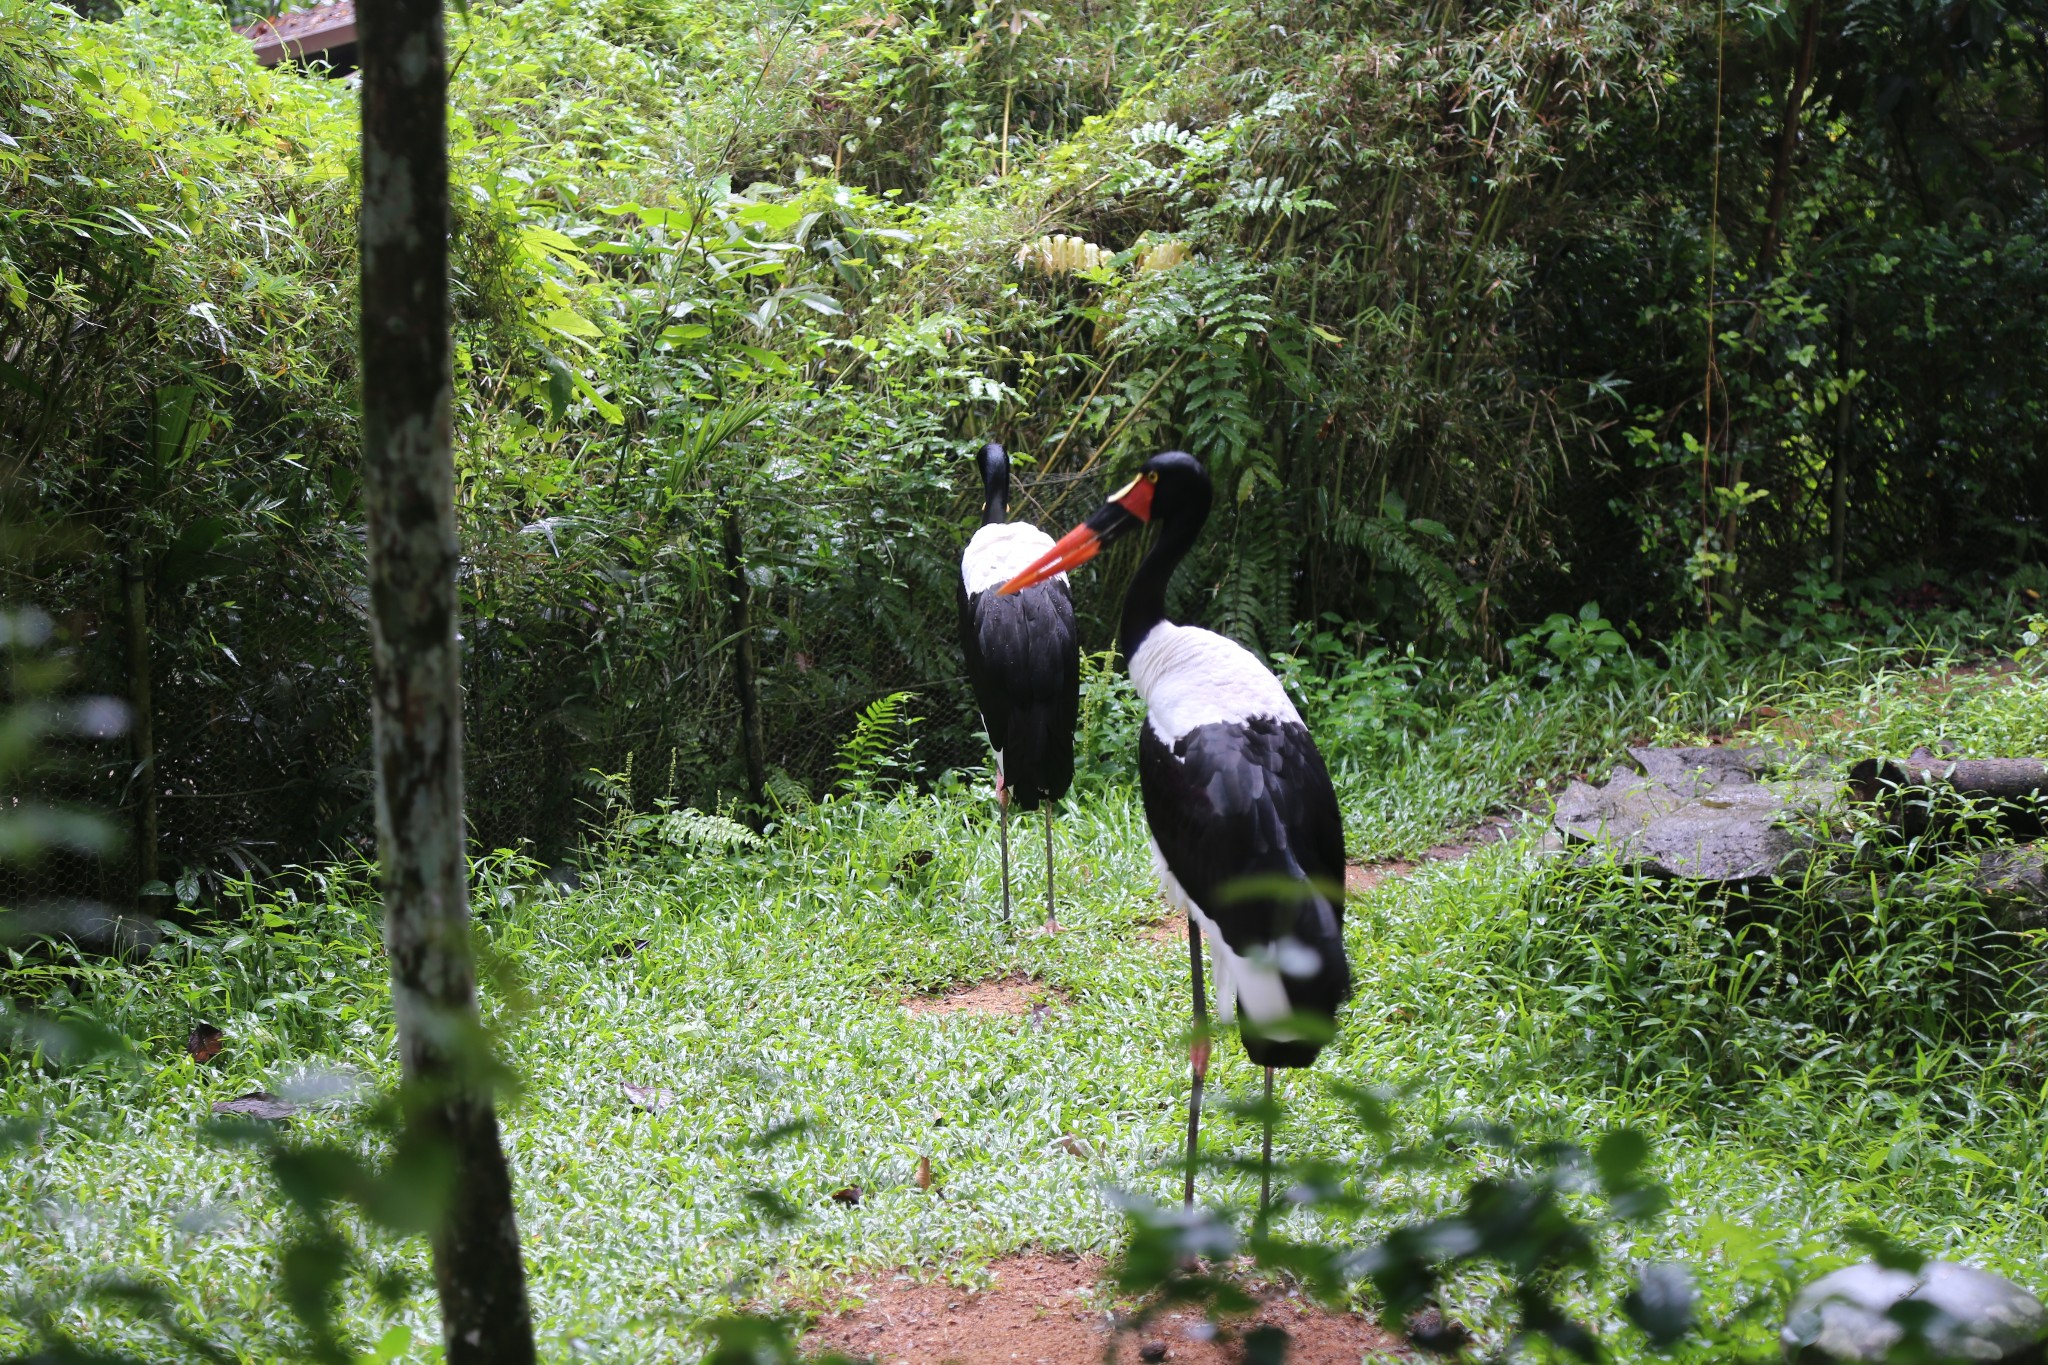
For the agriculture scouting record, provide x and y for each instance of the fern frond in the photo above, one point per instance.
(693, 829)
(879, 741)
(1060, 254)
(786, 792)
(1399, 545)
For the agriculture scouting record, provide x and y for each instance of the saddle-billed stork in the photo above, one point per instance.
(1246, 834)
(1023, 661)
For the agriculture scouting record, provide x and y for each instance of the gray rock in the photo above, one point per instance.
(1966, 1315)
(2013, 882)
(1701, 814)
(85, 925)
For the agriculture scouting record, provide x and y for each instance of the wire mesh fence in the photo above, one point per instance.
(257, 754)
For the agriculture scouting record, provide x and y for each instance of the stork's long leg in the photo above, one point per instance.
(1003, 800)
(1051, 924)
(1266, 1151)
(1198, 1059)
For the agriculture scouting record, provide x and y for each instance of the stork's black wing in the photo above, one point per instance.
(1238, 808)
(1024, 663)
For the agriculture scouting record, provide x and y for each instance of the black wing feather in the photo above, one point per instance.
(1024, 663)
(1241, 800)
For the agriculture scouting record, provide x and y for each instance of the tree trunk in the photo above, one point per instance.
(2013, 792)
(416, 711)
(142, 734)
(1788, 142)
(745, 667)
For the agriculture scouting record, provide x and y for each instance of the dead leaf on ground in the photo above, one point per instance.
(652, 1098)
(257, 1104)
(849, 1196)
(204, 1043)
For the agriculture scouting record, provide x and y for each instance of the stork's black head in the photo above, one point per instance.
(1172, 489)
(1180, 489)
(994, 464)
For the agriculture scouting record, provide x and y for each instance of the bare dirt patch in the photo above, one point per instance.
(1172, 929)
(1493, 829)
(1015, 996)
(1360, 878)
(1049, 1310)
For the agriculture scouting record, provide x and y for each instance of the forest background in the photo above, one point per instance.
(1725, 315)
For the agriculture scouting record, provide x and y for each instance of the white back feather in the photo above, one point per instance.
(1191, 677)
(1000, 552)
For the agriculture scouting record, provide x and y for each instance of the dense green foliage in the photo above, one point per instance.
(1428, 287)
(1793, 1085)
(1516, 336)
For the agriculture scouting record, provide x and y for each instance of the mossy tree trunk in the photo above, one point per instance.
(408, 496)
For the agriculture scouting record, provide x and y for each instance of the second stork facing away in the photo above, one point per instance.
(1246, 834)
(1023, 661)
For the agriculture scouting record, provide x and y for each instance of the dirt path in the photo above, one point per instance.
(1050, 1310)
(1016, 994)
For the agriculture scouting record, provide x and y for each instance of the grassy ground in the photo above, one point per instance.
(1789, 1088)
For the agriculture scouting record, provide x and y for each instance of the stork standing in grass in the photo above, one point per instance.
(1023, 661)
(1246, 833)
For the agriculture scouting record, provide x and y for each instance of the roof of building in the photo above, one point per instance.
(303, 33)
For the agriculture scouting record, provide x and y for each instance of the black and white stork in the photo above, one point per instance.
(1023, 661)
(1246, 835)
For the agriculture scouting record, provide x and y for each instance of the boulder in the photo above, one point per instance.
(1958, 1312)
(2013, 882)
(1701, 814)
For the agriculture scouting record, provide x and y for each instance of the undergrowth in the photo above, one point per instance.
(1799, 1068)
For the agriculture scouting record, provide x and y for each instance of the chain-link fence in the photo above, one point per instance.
(256, 753)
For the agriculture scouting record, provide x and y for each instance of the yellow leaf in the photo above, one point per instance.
(568, 323)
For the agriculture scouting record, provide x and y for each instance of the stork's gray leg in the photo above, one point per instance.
(1198, 1060)
(1051, 924)
(1003, 800)
(1266, 1152)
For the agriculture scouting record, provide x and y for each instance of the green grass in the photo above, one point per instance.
(1789, 1089)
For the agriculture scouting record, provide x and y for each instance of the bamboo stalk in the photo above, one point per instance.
(1003, 162)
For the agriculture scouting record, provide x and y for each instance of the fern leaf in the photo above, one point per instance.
(693, 829)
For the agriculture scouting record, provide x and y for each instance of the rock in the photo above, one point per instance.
(87, 926)
(257, 1104)
(1971, 1315)
(2013, 883)
(1152, 1350)
(1702, 814)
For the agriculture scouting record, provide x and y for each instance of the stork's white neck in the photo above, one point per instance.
(1191, 677)
(999, 552)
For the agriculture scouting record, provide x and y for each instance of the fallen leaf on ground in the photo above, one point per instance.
(203, 1043)
(652, 1098)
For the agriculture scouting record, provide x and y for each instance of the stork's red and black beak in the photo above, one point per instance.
(1128, 508)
